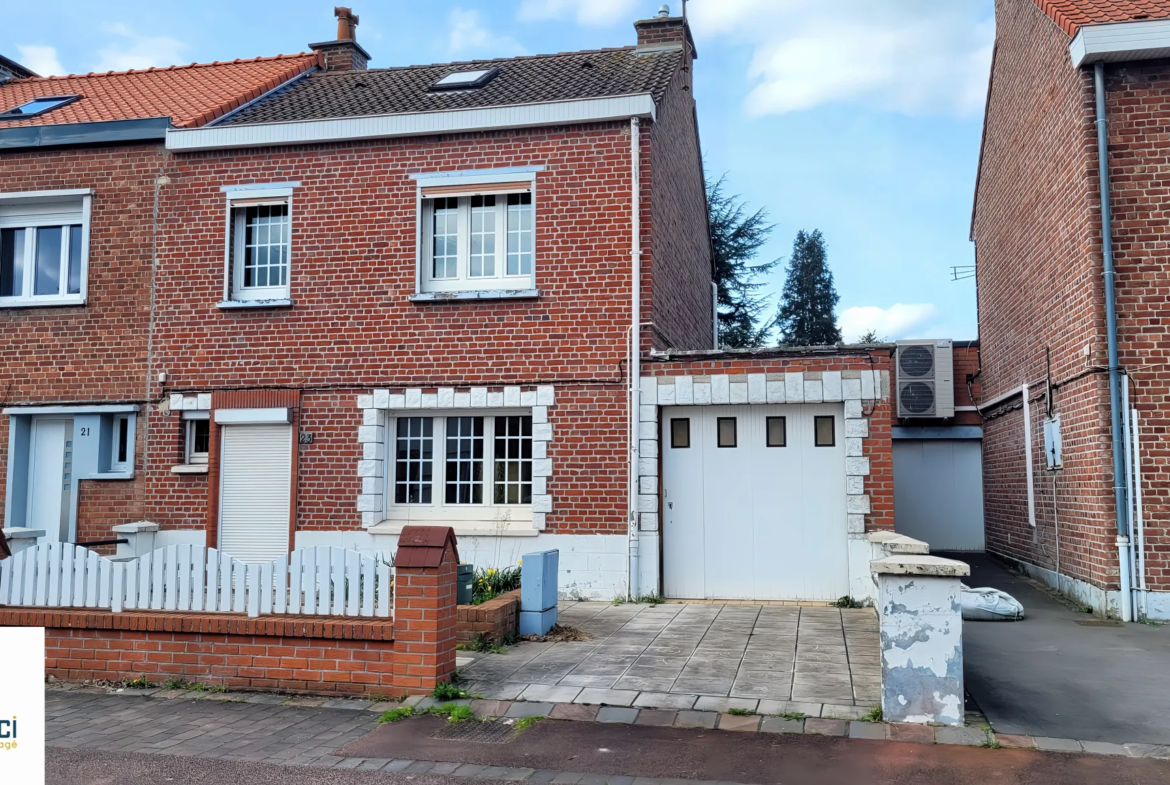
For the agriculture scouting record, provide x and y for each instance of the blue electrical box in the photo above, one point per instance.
(538, 592)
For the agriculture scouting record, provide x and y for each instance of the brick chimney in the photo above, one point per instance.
(343, 54)
(665, 32)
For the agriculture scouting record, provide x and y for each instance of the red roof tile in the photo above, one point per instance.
(191, 95)
(1071, 14)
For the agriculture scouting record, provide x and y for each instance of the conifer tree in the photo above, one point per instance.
(806, 313)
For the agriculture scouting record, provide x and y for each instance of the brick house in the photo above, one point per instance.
(479, 295)
(80, 162)
(1094, 525)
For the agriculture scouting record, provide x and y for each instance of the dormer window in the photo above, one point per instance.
(466, 80)
(37, 106)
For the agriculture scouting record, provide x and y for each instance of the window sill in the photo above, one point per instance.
(461, 529)
(481, 294)
(239, 304)
(40, 303)
(189, 468)
(127, 475)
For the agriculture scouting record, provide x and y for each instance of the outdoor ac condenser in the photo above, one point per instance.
(925, 379)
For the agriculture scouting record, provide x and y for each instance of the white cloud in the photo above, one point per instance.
(469, 38)
(41, 59)
(891, 324)
(591, 13)
(130, 50)
(917, 57)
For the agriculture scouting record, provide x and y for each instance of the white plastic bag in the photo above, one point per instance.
(990, 605)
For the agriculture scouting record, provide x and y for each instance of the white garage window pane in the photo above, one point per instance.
(777, 432)
(726, 431)
(825, 431)
(680, 433)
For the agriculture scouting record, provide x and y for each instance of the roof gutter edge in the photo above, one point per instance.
(105, 132)
(342, 129)
(1115, 42)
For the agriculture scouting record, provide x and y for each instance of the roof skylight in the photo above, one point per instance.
(37, 106)
(466, 80)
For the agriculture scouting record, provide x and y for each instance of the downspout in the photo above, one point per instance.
(1119, 496)
(635, 345)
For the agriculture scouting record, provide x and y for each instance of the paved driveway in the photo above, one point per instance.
(674, 654)
(1050, 675)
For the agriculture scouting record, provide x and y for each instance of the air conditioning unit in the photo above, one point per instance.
(925, 379)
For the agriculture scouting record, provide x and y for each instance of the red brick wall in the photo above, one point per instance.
(425, 622)
(94, 353)
(496, 620)
(680, 267)
(1038, 257)
(878, 447)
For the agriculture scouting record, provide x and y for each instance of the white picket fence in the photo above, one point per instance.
(311, 581)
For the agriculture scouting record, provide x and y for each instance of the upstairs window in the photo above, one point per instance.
(477, 237)
(44, 249)
(259, 247)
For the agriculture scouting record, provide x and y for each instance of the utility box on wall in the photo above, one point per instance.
(538, 592)
(1052, 446)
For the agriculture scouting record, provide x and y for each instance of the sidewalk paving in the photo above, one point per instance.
(673, 656)
(224, 729)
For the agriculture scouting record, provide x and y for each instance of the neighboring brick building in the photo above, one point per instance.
(407, 295)
(1037, 229)
(82, 159)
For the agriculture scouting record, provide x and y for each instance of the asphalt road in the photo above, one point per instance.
(1049, 675)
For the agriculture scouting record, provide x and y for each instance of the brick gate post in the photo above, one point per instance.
(425, 588)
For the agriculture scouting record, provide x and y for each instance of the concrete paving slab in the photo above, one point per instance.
(658, 718)
(1049, 744)
(549, 694)
(965, 736)
(781, 725)
(607, 697)
(696, 719)
(617, 714)
(574, 711)
(822, 727)
(738, 722)
(1104, 748)
(867, 730)
(662, 700)
(709, 703)
(520, 710)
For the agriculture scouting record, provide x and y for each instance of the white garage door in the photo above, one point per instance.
(938, 492)
(255, 491)
(754, 502)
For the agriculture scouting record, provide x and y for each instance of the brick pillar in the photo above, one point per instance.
(425, 586)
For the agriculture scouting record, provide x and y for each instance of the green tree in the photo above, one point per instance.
(736, 238)
(805, 315)
(870, 336)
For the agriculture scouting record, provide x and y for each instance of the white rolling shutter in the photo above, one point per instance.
(255, 491)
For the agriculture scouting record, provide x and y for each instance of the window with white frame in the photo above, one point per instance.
(259, 247)
(459, 466)
(477, 241)
(44, 248)
(122, 444)
(196, 441)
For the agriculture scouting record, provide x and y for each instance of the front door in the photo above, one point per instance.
(50, 477)
(255, 491)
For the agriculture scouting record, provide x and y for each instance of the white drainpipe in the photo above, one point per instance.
(1028, 459)
(635, 345)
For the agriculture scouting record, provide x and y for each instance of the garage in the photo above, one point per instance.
(753, 502)
(938, 487)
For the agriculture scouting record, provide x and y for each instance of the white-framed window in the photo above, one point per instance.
(477, 232)
(122, 443)
(44, 248)
(196, 440)
(259, 245)
(460, 466)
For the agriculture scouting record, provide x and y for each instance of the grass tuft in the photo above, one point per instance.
(394, 715)
(741, 712)
(873, 715)
(448, 691)
(524, 723)
(793, 715)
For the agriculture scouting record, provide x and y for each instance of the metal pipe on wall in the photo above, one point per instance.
(1139, 520)
(635, 347)
(1119, 497)
(1028, 460)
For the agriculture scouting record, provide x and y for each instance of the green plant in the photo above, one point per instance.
(449, 691)
(619, 600)
(135, 684)
(177, 684)
(490, 583)
(741, 712)
(483, 644)
(793, 715)
(524, 723)
(873, 715)
(651, 599)
(848, 602)
(459, 714)
(1086, 609)
(1150, 622)
(394, 715)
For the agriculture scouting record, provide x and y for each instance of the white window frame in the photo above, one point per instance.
(117, 466)
(238, 199)
(45, 209)
(468, 185)
(190, 422)
(488, 514)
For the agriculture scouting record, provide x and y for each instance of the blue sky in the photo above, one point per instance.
(860, 118)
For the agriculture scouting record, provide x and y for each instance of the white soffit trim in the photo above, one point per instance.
(415, 124)
(251, 416)
(1120, 42)
(108, 408)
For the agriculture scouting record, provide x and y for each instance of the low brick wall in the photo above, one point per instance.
(497, 619)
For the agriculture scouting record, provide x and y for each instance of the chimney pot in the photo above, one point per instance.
(664, 10)
(344, 53)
